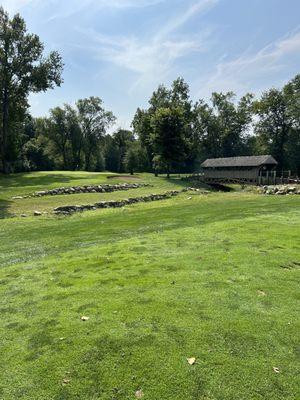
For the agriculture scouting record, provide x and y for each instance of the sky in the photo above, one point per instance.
(121, 50)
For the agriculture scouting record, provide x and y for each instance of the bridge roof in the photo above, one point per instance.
(247, 161)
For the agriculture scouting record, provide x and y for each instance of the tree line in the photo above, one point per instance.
(173, 134)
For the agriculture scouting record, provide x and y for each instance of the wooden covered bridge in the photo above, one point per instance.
(249, 169)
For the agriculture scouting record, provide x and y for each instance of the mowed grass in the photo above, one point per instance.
(28, 184)
(215, 277)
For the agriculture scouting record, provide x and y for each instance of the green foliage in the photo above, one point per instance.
(112, 154)
(74, 135)
(278, 127)
(94, 120)
(100, 162)
(135, 158)
(273, 125)
(222, 129)
(168, 137)
(225, 127)
(206, 131)
(23, 69)
(154, 127)
(35, 157)
(142, 128)
(122, 139)
(116, 148)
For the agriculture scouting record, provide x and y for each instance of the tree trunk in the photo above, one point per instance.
(88, 159)
(5, 165)
(168, 171)
(5, 99)
(64, 157)
(79, 156)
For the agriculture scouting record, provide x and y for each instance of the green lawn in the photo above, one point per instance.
(27, 184)
(215, 277)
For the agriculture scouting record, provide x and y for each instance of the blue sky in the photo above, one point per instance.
(120, 50)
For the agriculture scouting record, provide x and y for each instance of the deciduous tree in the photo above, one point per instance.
(23, 69)
(169, 136)
(94, 121)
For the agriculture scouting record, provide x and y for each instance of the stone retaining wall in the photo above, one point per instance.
(280, 190)
(65, 210)
(90, 189)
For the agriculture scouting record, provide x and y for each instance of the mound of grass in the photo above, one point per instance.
(212, 277)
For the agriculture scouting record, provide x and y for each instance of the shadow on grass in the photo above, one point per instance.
(221, 188)
(4, 209)
(214, 187)
(22, 180)
(178, 180)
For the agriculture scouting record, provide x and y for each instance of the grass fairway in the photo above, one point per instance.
(215, 277)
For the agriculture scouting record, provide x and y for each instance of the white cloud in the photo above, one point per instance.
(153, 58)
(242, 73)
(200, 6)
(142, 57)
(69, 8)
(127, 3)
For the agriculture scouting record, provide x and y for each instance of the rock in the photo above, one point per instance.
(280, 190)
(37, 213)
(65, 210)
(24, 215)
(90, 189)
(17, 197)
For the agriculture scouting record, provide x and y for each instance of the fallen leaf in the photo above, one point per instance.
(276, 369)
(83, 318)
(261, 293)
(191, 360)
(139, 394)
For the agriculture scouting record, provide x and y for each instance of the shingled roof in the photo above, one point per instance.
(248, 161)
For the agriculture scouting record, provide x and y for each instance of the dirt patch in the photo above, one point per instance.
(125, 177)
